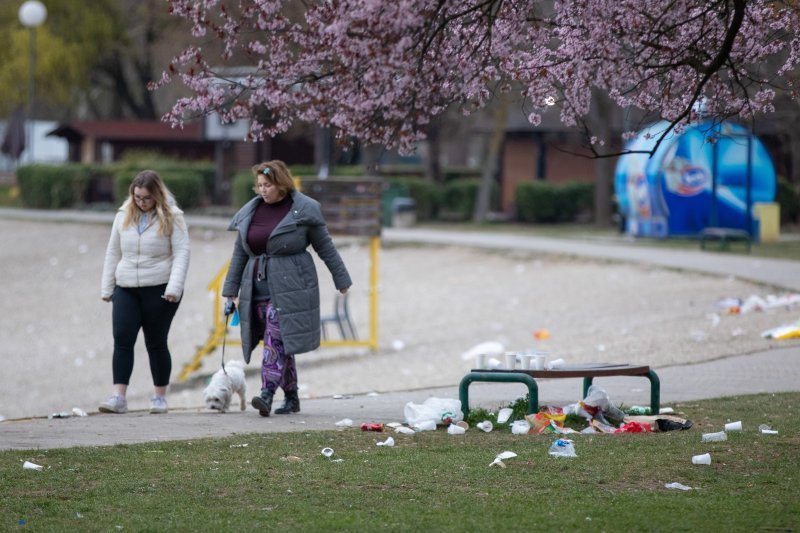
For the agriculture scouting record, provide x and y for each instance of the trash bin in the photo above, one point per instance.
(404, 212)
(768, 215)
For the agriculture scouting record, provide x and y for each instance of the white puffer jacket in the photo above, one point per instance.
(149, 259)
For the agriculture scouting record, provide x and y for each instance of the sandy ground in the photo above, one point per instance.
(435, 304)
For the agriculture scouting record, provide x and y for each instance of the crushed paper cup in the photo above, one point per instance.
(555, 364)
(27, 465)
(719, 436)
(766, 430)
(506, 455)
(327, 452)
(388, 442)
(666, 410)
(734, 426)
(486, 426)
(520, 427)
(504, 414)
(393, 425)
(345, 423)
(77, 411)
(404, 430)
(454, 429)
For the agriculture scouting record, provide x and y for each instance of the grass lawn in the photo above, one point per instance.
(427, 481)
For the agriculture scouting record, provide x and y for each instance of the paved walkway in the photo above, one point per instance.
(775, 370)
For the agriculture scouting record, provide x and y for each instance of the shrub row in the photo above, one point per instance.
(542, 202)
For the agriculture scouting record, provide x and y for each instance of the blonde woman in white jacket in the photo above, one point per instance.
(143, 276)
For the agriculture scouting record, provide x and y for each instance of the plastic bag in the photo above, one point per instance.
(440, 410)
(563, 448)
(598, 405)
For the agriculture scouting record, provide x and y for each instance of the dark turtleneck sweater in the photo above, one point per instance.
(265, 219)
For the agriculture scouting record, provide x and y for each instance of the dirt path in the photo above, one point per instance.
(435, 304)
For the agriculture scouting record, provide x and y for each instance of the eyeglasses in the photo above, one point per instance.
(142, 198)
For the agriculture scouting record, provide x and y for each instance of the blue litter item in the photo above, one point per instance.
(235, 319)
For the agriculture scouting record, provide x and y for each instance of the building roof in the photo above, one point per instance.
(129, 130)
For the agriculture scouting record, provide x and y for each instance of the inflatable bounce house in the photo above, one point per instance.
(709, 175)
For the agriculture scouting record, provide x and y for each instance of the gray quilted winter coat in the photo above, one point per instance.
(290, 273)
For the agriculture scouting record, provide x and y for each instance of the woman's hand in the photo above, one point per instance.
(344, 291)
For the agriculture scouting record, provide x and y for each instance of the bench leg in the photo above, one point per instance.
(466, 381)
(655, 390)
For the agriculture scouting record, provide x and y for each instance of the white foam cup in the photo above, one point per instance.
(704, 459)
(734, 426)
(526, 362)
(480, 360)
(511, 360)
(539, 361)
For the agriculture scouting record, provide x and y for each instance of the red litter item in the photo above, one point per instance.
(371, 427)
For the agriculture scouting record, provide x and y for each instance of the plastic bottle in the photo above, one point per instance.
(638, 410)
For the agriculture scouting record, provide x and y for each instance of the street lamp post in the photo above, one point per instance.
(32, 14)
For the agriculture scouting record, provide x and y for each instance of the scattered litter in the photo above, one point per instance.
(638, 410)
(498, 460)
(563, 448)
(238, 445)
(454, 429)
(373, 394)
(27, 465)
(634, 427)
(704, 459)
(345, 423)
(444, 410)
(719, 436)
(676, 486)
(555, 364)
(398, 345)
(734, 426)
(404, 430)
(766, 430)
(393, 425)
(371, 427)
(788, 331)
(388, 442)
(63, 414)
(425, 425)
(736, 306)
(666, 410)
(77, 411)
(488, 348)
(462, 424)
(520, 427)
(494, 364)
(486, 426)
(504, 414)
(541, 334)
(342, 396)
(327, 452)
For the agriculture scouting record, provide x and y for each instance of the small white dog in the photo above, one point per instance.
(223, 385)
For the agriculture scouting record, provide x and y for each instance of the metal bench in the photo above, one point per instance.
(725, 236)
(528, 377)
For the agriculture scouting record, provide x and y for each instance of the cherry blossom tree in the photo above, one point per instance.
(380, 70)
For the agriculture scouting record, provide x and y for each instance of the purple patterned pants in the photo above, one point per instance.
(277, 368)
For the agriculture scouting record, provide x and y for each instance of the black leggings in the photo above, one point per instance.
(142, 308)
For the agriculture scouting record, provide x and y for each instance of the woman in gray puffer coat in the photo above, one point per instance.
(274, 277)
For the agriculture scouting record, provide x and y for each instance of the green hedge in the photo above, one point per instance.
(241, 188)
(53, 187)
(188, 183)
(458, 198)
(425, 193)
(545, 202)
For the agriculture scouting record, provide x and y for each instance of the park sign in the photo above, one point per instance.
(350, 207)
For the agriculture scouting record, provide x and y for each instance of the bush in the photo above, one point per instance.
(545, 202)
(425, 193)
(53, 186)
(458, 198)
(242, 188)
(788, 197)
(186, 183)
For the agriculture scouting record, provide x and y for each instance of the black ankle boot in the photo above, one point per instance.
(291, 404)
(263, 403)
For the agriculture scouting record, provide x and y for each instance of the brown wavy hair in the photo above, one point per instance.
(152, 183)
(277, 173)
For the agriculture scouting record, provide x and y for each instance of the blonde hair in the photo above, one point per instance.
(152, 183)
(277, 173)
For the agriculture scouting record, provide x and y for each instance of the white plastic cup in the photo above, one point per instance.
(704, 459)
(504, 414)
(734, 426)
(714, 437)
(485, 426)
(27, 465)
(511, 360)
(454, 429)
(526, 362)
(480, 361)
(520, 427)
(425, 425)
(539, 361)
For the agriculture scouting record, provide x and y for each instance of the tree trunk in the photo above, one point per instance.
(492, 161)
